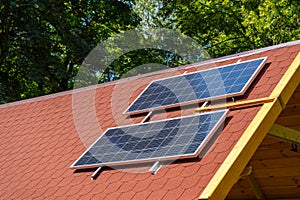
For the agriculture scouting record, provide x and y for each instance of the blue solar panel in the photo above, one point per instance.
(228, 81)
(152, 141)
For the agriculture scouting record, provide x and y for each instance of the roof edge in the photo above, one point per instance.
(188, 66)
(228, 173)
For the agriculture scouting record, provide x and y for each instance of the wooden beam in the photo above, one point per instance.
(285, 134)
(230, 170)
(228, 173)
(247, 171)
(258, 192)
(247, 174)
(240, 104)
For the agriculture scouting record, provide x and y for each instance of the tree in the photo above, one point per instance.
(44, 42)
(227, 26)
(222, 27)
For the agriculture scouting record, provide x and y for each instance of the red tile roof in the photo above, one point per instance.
(42, 137)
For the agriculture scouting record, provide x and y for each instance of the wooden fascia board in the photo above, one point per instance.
(284, 133)
(230, 170)
(228, 173)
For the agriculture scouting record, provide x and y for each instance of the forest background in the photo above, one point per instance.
(44, 42)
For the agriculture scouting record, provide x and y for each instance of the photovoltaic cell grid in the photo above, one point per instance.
(203, 85)
(152, 141)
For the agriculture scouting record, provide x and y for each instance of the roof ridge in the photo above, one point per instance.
(188, 66)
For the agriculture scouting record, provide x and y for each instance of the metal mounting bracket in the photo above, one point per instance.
(155, 167)
(96, 173)
(148, 116)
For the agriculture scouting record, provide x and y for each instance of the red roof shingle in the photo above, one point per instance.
(42, 137)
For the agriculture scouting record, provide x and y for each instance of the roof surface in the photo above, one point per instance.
(42, 137)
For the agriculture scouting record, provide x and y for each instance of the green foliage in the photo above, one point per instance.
(44, 42)
(228, 26)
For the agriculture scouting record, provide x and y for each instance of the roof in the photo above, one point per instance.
(42, 137)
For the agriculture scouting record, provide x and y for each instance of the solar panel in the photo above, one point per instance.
(229, 80)
(152, 141)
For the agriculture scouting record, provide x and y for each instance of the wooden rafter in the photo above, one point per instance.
(236, 161)
(284, 133)
(247, 175)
